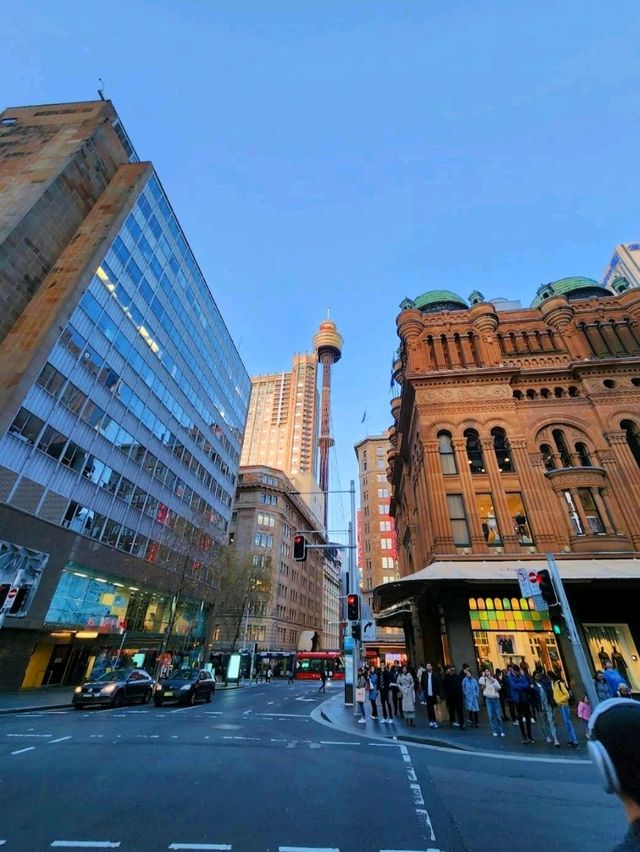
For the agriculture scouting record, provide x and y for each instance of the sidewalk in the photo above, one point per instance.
(479, 739)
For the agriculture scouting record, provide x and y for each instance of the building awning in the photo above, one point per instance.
(393, 598)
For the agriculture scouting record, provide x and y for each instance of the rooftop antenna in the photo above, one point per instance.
(101, 88)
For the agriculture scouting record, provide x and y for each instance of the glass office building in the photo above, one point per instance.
(130, 439)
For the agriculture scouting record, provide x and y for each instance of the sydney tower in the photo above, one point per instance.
(327, 343)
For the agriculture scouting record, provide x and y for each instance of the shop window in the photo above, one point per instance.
(447, 456)
(547, 457)
(458, 520)
(562, 448)
(632, 433)
(583, 454)
(490, 530)
(519, 518)
(501, 447)
(591, 512)
(575, 524)
(474, 451)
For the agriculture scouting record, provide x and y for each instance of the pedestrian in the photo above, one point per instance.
(602, 687)
(361, 693)
(561, 696)
(513, 715)
(499, 676)
(384, 684)
(491, 688)
(614, 747)
(269, 674)
(373, 693)
(452, 689)
(471, 697)
(419, 690)
(431, 687)
(289, 676)
(584, 712)
(396, 694)
(407, 689)
(520, 694)
(323, 680)
(613, 678)
(544, 702)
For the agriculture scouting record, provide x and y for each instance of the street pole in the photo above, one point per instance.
(572, 631)
(353, 583)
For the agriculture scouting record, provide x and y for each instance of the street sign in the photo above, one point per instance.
(10, 598)
(369, 631)
(527, 588)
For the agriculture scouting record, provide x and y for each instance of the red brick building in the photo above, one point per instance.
(516, 434)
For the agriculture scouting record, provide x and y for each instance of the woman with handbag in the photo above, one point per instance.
(407, 688)
(361, 694)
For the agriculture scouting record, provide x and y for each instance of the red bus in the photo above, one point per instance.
(309, 664)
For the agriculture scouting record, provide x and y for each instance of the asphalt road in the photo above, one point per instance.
(253, 772)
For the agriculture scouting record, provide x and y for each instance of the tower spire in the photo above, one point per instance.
(327, 343)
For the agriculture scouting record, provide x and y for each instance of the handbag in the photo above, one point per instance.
(361, 693)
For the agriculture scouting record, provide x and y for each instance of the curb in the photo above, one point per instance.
(7, 711)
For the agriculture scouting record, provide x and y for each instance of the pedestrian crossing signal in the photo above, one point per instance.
(299, 548)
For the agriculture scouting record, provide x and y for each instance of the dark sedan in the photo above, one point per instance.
(186, 686)
(112, 689)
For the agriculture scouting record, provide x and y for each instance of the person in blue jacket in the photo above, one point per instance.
(613, 678)
(520, 689)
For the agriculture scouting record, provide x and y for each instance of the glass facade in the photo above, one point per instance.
(134, 425)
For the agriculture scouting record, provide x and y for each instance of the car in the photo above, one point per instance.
(112, 689)
(185, 686)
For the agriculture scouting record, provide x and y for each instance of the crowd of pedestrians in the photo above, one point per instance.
(511, 695)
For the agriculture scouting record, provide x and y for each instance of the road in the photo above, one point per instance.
(253, 772)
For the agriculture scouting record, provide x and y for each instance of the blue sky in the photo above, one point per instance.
(353, 152)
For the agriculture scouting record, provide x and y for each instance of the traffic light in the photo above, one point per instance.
(299, 548)
(355, 631)
(557, 623)
(547, 589)
(353, 607)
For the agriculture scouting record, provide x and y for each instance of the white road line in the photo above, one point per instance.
(308, 849)
(2, 842)
(430, 849)
(59, 740)
(182, 709)
(278, 741)
(199, 846)
(29, 735)
(336, 742)
(287, 715)
(86, 844)
(416, 792)
(22, 750)
(270, 702)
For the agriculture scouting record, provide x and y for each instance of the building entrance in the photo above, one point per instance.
(508, 630)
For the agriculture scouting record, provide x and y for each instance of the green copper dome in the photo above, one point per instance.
(575, 287)
(435, 300)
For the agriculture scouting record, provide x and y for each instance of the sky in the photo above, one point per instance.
(349, 153)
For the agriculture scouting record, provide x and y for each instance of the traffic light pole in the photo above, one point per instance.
(572, 632)
(354, 590)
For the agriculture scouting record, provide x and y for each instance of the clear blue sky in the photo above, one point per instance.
(353, 152)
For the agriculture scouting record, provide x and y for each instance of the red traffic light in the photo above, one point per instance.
(353, 607)
(299, 547)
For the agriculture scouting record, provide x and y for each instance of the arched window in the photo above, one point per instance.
(573, 391)
(501, 447)
(447, 457)
(545, 393)
(559, 392)
(517, 394)
(583, 454)
(531, 394)
(547, 457)
(562, 448)
(633, 438)
(474, 451)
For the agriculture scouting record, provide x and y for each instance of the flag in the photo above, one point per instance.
(364, 416)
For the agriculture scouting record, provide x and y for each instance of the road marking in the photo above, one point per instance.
(286, 715)
(22, 750)
(278, 741)
(200, 846)
(182, 709)
(430, 849)
(308, 849)
(29, 735)
(416, 791)
(87, 844)
(270, 702)
(336, 742)
(59, 740)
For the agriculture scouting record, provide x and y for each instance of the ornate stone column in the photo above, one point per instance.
(443, 539)
(538, 497)
(505, 523)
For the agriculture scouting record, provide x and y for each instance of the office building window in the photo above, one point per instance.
(458, 520)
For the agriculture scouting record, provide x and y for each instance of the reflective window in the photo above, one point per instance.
(488, 520)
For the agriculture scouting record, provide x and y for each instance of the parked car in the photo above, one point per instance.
(114, 689)
(185, 686)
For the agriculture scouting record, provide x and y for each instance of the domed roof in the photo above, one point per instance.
(435, 300)
(574, 287)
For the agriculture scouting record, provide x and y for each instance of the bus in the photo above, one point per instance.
(309, 664)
